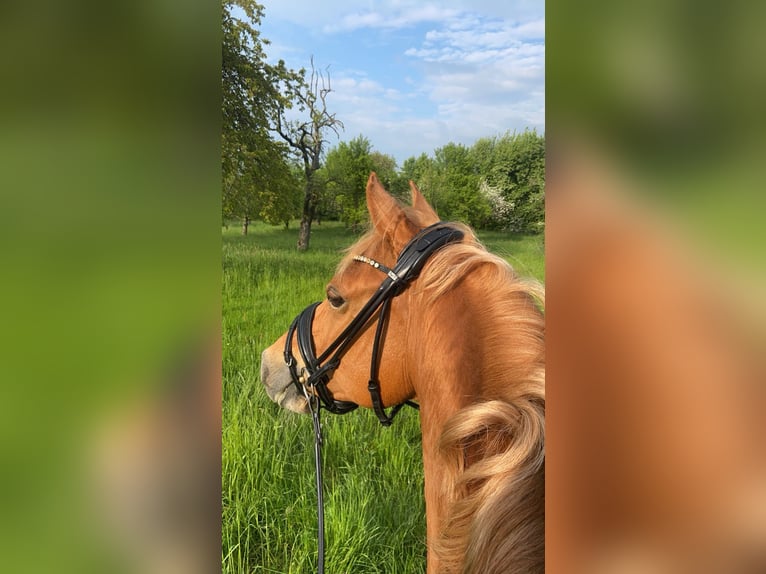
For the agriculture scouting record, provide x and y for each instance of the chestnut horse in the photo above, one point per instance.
(466, 341)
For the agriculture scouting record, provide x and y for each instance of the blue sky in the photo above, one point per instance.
(412, 76)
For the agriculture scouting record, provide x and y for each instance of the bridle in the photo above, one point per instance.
(318, 371)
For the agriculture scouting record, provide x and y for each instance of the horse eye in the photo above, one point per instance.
(334, 298)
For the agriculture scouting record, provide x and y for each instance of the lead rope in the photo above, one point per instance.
(313, 402)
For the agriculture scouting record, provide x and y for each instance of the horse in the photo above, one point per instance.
(465, 341)
(655, 387)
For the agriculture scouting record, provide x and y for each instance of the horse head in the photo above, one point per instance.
(355, 282)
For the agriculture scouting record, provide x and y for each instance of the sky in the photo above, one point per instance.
(412, 76)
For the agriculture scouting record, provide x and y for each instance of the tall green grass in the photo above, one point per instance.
(374, 509)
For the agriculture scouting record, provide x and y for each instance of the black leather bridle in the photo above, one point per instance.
(318, 371)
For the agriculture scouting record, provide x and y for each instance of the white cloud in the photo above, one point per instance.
(487, 78)
(480, 77)
(408, 17)
(473, 68)
(329, 13)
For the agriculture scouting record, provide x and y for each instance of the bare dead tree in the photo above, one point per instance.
(306, 138)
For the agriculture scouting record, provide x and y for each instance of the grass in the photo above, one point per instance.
(374, 509)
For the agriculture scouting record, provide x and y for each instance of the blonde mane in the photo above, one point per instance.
(448, 267)
(493, 450)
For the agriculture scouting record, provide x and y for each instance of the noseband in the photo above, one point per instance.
(318, 371)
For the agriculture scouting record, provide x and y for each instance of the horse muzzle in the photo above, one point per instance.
(313, 377)
(276, 377)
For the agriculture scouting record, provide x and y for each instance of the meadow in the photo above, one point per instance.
(374, 510)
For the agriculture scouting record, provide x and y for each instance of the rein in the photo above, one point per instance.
(318, 371)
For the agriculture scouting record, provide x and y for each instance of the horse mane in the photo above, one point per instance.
(493, 450)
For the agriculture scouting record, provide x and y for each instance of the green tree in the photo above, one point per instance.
(347, 168)
(396, 183)
(281, 201)
(518, 175)
(499, 182)
(457, 178)
(345, 174)
(415, 168)
(422, 171)
(254, 166)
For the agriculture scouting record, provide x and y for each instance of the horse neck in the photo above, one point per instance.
(474, 344)
(471, 350)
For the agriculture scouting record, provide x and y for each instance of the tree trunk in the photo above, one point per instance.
(245, 225)
(304, 235)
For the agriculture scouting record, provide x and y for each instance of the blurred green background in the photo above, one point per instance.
(672, 94)
(110, 242)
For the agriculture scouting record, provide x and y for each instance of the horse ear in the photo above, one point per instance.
(420, 205)
(387, 216)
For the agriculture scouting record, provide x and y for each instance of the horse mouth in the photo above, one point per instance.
(288, 398)
(279, 385)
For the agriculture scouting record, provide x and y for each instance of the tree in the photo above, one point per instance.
(347, 168)
(422, 171)
(253, 165)
(396, 183)
(345, 173)
(518, 173)
(498, 183)
(280, 202)
(458, 185)
(306, 138)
